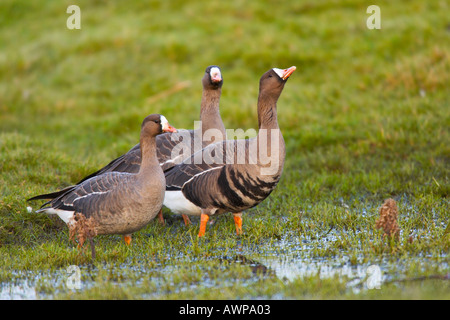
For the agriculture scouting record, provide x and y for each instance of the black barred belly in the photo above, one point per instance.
(229, 189)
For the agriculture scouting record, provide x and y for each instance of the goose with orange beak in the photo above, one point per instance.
(217, 186)
(118, 202)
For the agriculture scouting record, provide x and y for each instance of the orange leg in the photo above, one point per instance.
(238, 222)
(186, 219)
(203, 220)
(127, 239)
(160, 217)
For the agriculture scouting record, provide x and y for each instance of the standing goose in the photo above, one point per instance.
(118, 202)
(212, 82)
(234, 175)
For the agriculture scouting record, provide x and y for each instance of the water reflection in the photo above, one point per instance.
(256, 267)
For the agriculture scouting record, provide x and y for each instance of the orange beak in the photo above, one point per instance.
(216, 78)
(287, 72)
(168, 128)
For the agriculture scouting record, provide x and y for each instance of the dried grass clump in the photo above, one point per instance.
(388, 219)
(83, 228)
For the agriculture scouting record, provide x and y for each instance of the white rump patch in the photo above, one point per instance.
(177, 203)
(66, 216)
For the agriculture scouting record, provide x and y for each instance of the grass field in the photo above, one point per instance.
(365, 117)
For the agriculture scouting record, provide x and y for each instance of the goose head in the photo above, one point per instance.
(212, 78)
(272, 82)
(155, 124)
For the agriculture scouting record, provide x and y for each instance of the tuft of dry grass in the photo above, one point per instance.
(83, 228)
(388, 219)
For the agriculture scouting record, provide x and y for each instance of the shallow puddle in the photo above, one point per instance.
(289, 258)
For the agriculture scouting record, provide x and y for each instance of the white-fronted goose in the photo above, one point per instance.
(234, 175)
(118, 202)
(210, 118)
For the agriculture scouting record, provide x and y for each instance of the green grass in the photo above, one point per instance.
(365, 117)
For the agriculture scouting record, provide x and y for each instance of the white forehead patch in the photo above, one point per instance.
(164, 122)
(214, 72)
(279, 72)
